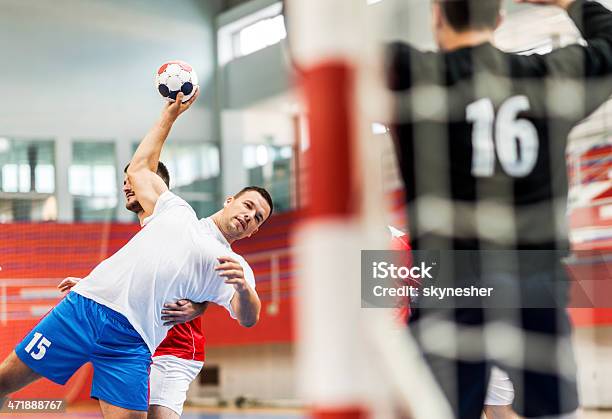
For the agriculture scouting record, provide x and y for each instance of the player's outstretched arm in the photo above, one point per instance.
(590, 66)
(147, 185)
(594, 21)
(245, 302)
(149, 149)
(565, 4)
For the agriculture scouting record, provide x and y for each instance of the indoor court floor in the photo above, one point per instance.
(195, 413)
(190, 413)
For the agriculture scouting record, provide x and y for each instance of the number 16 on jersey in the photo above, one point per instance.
(516, 139)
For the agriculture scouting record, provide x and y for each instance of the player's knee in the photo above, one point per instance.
(7, 383)
(5, 386)
(4, 380)
(161, 412)
(14, 375)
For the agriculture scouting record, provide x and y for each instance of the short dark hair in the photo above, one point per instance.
(265, 194)
(162, 172)
(464, 15)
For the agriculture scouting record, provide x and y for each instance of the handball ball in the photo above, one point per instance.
(176, 76)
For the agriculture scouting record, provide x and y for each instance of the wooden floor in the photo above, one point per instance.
(91, 412)
(597, 414)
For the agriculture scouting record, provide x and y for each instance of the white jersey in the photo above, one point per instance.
(172, 257)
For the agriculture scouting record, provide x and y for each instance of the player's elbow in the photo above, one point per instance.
(135, 168)
(250, 319)
(248, 323)
(137, 174)
(246, 309)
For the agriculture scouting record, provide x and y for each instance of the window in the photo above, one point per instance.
(209, 376)
(262, 34)
(92, 180)
(192, 166)
(251, 33)
(27, 166)
(195, 170)
(194, 174)
(378, 128)
(27, 180)
(270, 166)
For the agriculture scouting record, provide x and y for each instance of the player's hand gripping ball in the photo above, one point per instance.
(174, 77)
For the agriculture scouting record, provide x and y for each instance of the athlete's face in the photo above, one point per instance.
(131, 203)
(243, 215)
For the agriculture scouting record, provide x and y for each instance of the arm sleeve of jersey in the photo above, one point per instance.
(166, 201)
(406, 65)
(594, 21)
(398, 58)
(590, 65)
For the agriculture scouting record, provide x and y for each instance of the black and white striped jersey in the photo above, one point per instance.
(481, 134)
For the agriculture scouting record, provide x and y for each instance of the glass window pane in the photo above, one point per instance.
(195, 169)
(93, 153)
(94, 209)
(79, 180)
(270, 166)
(92, 179)
(104, 181)
(248, 157)
(261, 34)
(204, 208)
(24, 178)
(286, 152)
(9, 178)
(27, 166)
(45, 178)
(191, 162)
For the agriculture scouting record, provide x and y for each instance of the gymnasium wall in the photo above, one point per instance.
(97, 59)
(83, 70)
(264, 372)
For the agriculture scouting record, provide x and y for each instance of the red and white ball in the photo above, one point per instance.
(174, 77)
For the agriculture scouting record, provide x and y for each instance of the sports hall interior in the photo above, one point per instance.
(78, 85)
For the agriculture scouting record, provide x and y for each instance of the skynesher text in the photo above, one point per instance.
(431, 291)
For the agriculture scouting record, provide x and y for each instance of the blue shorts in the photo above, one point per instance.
(79, 330)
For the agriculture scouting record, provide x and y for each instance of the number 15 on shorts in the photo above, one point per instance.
(41, 348)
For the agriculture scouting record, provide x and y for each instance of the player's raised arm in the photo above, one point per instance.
(594, 21)
(141, 172)
(586, 64)
(147, 153)
(401, 61)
